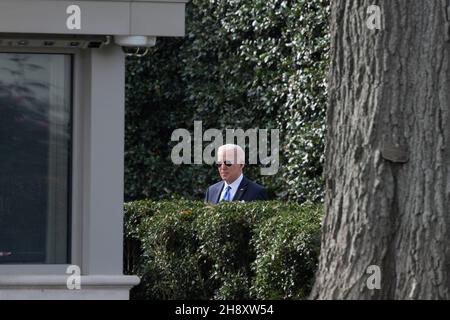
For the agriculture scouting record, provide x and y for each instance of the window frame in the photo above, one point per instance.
(76, 166)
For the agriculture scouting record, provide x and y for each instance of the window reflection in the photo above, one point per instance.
(35, 144)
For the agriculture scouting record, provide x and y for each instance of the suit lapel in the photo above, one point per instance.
(241, 190)
(218, 191)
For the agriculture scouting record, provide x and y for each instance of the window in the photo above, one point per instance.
(35, 158)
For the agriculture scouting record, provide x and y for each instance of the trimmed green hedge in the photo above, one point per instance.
(186, 249)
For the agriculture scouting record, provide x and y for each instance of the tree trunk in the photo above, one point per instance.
(388, 154)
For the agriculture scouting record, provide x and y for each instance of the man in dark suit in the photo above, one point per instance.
(234, 186)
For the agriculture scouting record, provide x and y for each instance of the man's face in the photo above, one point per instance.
(229, 173)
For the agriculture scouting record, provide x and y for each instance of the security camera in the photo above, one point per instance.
(136, 46)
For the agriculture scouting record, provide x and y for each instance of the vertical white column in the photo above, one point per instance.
(104, 103)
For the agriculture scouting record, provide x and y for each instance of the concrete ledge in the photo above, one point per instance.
(54, 287)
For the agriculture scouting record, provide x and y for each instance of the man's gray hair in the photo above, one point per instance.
(233, 149)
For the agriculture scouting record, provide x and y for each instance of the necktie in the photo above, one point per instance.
(226, 196)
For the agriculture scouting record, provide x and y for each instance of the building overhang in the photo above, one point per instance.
(161, 18)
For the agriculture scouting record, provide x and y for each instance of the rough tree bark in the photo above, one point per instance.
(388, 154)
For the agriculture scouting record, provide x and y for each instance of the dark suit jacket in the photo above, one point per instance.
(247, 191)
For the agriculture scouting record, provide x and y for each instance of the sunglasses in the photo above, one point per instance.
(227, 163)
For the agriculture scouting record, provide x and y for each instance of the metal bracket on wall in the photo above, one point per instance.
(53, 40)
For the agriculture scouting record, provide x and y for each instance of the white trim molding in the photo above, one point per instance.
(54, 287)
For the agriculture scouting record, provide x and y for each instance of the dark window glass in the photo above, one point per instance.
(35, 153)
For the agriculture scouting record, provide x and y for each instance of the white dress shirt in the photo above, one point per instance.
(234, 187)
